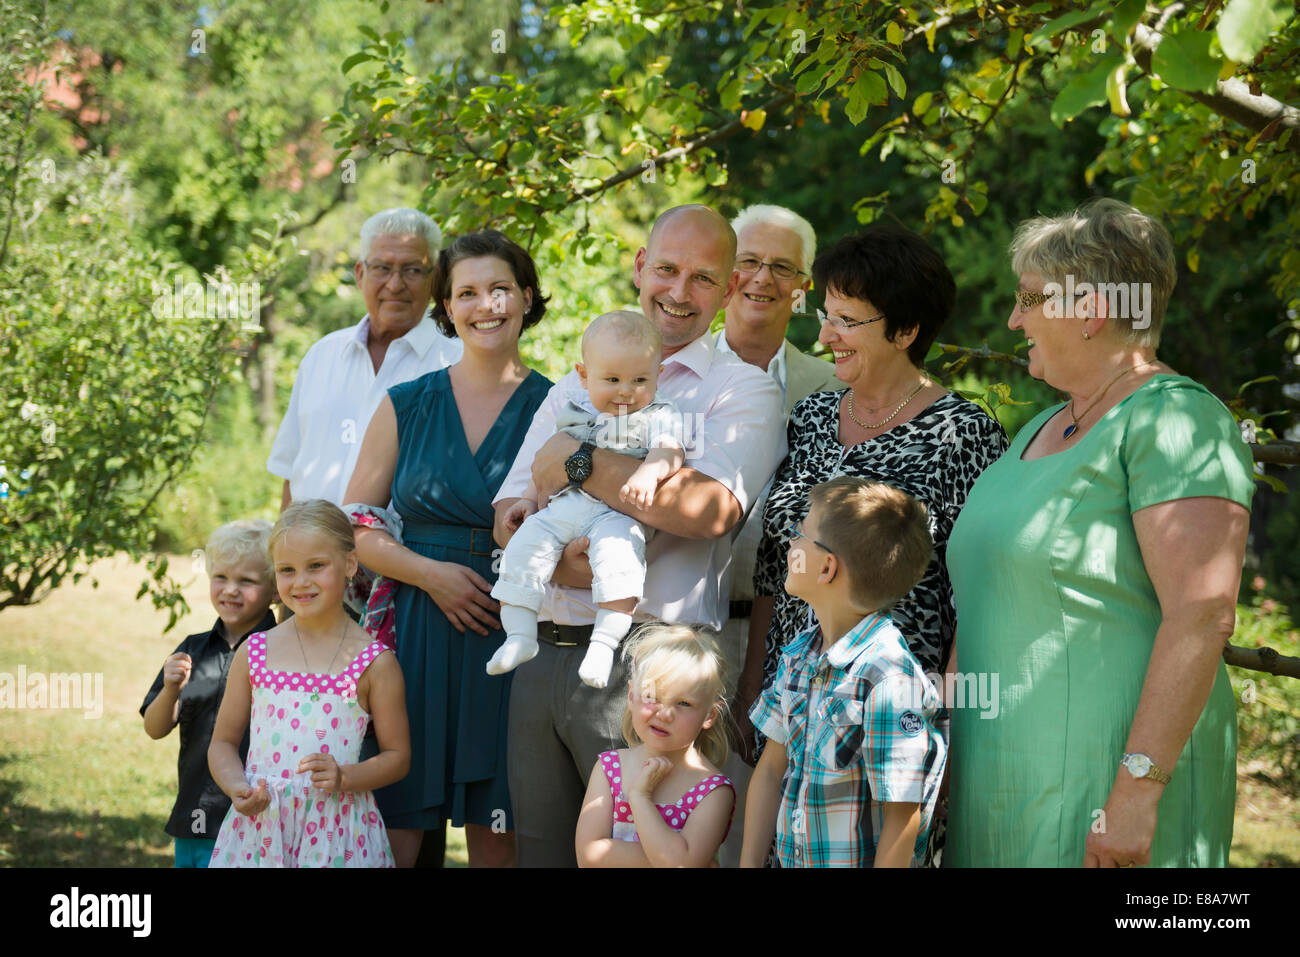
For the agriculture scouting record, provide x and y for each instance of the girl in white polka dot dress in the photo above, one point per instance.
(661, 802)
(309, 687)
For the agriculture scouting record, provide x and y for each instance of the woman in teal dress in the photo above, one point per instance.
(440, 446)
(1095, 570)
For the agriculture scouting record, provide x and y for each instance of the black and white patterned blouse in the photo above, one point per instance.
(935, 457)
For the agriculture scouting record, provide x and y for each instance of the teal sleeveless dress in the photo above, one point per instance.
(457, 711)
(1053, 598)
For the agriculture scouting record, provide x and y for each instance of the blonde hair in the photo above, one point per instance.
(663, 655)
(624, 326)
(881, 535)
(315, 515)
(238, 541)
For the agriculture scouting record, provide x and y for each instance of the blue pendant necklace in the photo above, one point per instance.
(1074, 426)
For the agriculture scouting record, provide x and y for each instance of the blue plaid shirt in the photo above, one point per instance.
(859, 728)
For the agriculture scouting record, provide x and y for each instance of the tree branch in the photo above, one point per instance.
(1232, 98)
(1265, 659)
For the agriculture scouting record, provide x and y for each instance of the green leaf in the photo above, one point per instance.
(894, 34)
(1246, 25)
(922, 103)
(356, 58)
(1127, 14)
(1084, 91)
(812, 80)
(856, 108)
(1013, 43)
(1263, 378)
(1183, 61)
(896, 82)
(1067, 20)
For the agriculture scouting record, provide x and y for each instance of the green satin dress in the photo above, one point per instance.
(1053, 599)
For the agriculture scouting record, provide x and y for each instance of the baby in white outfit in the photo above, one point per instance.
(620, 411)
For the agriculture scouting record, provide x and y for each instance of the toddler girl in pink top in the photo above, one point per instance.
(661, 802)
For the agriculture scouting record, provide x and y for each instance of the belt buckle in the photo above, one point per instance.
(477, 535)
(552, 631)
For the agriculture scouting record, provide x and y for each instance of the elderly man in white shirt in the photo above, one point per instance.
(775, 248)
(558, 724)
(343, 377)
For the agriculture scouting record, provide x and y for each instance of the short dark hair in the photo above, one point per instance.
(486, 242)
(881, 534)
(901, 275)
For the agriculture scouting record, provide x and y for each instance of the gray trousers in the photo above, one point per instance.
(558, 728)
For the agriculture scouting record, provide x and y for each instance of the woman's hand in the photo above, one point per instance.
(251, 803)
(326, 775)
(1122, 835)
(463, 595)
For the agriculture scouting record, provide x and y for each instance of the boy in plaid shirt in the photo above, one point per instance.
(851, 770)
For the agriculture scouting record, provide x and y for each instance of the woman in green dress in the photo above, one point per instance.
(440, 446)
(1095, 571)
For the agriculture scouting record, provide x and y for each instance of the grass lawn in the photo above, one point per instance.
(85, 792)
(96, 792)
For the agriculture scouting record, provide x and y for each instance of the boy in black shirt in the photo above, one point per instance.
(189, 687)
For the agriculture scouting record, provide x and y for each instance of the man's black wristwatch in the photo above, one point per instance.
(578, 465)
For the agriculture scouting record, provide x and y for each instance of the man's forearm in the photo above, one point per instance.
(688, 504)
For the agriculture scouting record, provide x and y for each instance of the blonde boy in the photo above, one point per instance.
(189, 687)
(853, 762)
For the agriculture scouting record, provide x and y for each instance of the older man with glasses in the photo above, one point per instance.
(343, 377)
(775, 248)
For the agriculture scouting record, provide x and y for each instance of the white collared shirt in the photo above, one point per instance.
(740, 427)
(335, 392)
(775, 368)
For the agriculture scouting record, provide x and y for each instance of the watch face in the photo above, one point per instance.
(1139, 764)
(578, 466)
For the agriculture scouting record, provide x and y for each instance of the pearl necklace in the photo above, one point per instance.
(867, 425)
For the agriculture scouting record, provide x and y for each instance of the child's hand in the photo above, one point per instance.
(639, 490)
(326, 775)
(518, 512)
(652, 772)
(176, 671)
(251, 803)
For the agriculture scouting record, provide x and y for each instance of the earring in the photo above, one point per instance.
(1085, 334)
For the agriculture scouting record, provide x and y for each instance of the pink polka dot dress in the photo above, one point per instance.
(674, 815)
(293, 715)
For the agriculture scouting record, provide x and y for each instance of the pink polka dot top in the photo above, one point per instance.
(674, 815)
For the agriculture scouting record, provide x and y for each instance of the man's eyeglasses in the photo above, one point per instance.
(410, 274)
(840, 324)
(750, 265)
(794, 531)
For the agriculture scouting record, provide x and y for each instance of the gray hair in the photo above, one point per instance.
(1104, 241)
(768, 215)
(401, 221)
